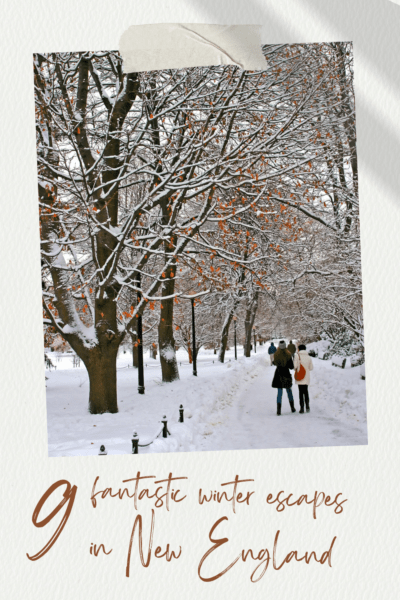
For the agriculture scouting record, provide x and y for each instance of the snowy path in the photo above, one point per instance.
(248, 418)
(229, 406)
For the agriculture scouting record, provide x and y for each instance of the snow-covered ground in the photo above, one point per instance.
(228, 406)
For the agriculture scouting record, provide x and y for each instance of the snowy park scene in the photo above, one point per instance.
(200, 253)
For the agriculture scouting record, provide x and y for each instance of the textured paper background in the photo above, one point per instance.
(365, 559)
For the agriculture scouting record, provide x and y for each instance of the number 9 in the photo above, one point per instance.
(68, 497)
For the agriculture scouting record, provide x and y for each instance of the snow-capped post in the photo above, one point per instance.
(103, 450)
(165, 428)
(194, 341)
(181, 414)
(135, 443)
(140, 340)
(234, 334)
(254, 335)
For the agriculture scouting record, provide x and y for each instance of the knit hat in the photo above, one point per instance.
(282, 345)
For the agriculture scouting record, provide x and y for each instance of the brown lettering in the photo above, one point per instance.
(68, 498)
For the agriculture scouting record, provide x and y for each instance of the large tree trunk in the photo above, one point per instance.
(166, 341)
(100, 358)
(102, 370)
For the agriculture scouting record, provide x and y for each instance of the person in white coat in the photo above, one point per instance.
(302, 358)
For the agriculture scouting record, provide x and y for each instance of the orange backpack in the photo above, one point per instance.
(301, 373)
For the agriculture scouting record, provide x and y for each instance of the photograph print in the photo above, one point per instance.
(200, 253)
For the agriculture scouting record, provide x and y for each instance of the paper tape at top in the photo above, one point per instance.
(180, 45)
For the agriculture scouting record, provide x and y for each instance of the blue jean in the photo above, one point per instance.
(289, 393)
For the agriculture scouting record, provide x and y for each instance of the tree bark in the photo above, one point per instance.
(224, 335)
(247, 333)
(248, 324)
(101, 366)
(166, 341)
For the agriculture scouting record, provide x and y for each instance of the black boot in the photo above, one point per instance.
(278, 408)
(291, 402)
(301, 411)
(307, 406)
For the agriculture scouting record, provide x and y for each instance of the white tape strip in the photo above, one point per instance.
(179, 45)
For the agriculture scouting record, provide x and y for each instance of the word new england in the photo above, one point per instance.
(164, 493)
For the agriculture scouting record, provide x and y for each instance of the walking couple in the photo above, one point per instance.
(302, 364)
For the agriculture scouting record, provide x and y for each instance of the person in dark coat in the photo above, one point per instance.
(271, 352)
(282, 377)
(292, 348)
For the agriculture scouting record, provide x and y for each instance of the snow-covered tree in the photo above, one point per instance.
(147, 180)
